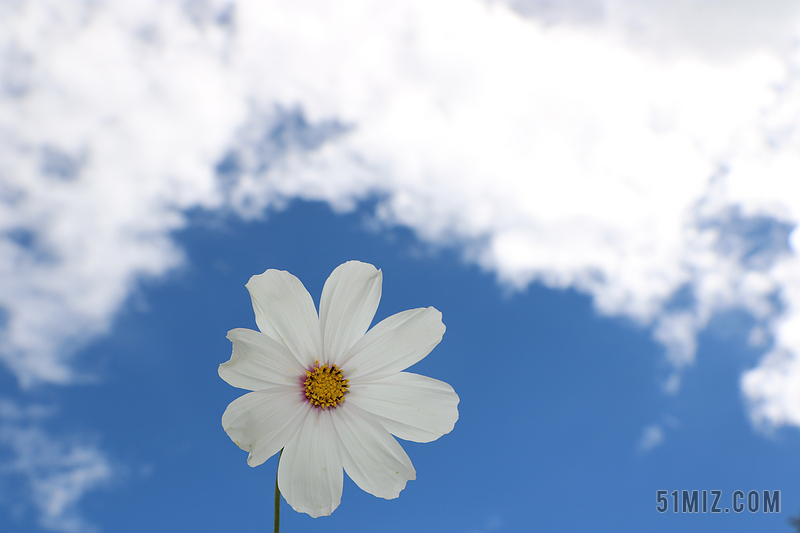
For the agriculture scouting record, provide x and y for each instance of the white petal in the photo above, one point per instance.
(348, 304)
(258, 362)
(262, 422)
(371, 456)
(394, 344)
(285, 311)
(310, 472)
(409, 406)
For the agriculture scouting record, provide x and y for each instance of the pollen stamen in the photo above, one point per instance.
(325, 387)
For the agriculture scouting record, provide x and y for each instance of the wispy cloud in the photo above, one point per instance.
(494, 523)
(652, 436)
(641, 163)
(52, 471)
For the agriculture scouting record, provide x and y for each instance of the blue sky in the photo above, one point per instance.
(600, 198)
(554, 399)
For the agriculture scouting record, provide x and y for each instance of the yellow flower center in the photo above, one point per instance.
(325, 387)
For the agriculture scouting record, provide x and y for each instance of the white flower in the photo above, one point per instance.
(330, 393)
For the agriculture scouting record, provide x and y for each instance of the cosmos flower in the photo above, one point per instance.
(330, 393)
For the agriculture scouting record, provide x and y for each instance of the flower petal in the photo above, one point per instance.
(310, 472)
(259, 362)
(394, 344)
(348, 304)
(285, 311)
(262, 422)
(409, 406)
(371, 457)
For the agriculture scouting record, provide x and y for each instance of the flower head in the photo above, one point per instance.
(330, 393)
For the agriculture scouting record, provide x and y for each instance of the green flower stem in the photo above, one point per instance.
(278, 499)
(277, 506)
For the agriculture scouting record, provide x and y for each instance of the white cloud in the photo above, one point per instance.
(56, 471)
(652, 436)
(599, 145)
(715, 29)
(102, 149)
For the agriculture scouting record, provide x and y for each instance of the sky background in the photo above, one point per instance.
(601, 197)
